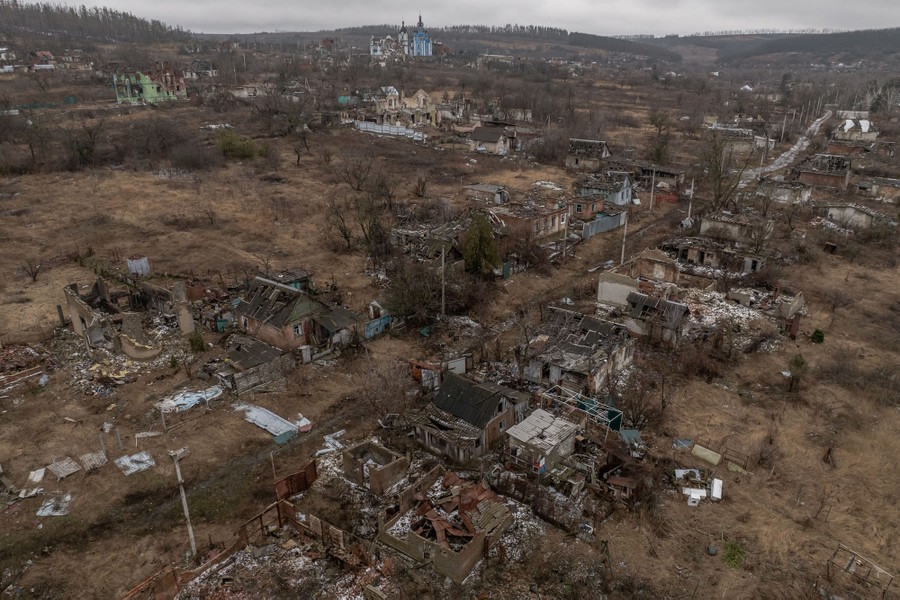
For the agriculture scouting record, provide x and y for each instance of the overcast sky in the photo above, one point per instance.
(602, 17)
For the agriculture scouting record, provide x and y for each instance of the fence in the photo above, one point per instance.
(602, 224)
(389, 130)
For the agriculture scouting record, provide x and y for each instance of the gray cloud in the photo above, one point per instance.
(603, 17)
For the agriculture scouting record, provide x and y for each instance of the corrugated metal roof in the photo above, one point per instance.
(542, 430)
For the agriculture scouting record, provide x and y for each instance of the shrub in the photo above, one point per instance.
(197, 343)
(733, 555)
(817, 337)
(236, 146)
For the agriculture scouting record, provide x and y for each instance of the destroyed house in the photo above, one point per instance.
(613, 187)
(586, 155)
(646, 173)
(279, 315)
(578, 352)
(737, 228)
(660, 319)
(253, 366)
(539, 442)
(162, 85)
(855, 216)
(825, 170)
(855, 130)
(650, 264)
(540, 218)
(492, 140)
(694, 254)
(447, 522)
(467, 417)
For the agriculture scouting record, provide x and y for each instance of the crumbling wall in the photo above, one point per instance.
(458, 565)
(408, 496)
(382, 478)
(413, 546)
(136, 350)
(389, 469)
(80, 313)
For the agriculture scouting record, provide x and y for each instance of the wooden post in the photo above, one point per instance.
(163, 415)
(624, 234)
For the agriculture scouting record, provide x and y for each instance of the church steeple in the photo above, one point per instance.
(420, 24)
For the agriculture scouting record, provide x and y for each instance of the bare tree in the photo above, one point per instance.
(337, 219)
(722, 169)
(31, 267)
(386, 389)
(356, 170)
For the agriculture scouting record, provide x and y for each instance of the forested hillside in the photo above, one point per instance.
(97, 24)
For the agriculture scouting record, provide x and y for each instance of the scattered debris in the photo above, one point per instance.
(93, 460)
(188, 399)
(135, 463)
(282, 429)
(64, 467)
(57, 505)
(331, 443)
(36, 476)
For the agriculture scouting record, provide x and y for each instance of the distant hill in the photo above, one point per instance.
(878, 45)
(71, 23)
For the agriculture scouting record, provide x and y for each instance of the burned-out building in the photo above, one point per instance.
(736, 228)
(825, 170)
(577, 351)
(663, 320)
(650, 264)
(373, 466)
(445, 521)
(467, 417)
(703, 256)
(586, 155)
(540, 218)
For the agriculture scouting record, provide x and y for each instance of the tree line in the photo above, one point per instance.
(101, 24)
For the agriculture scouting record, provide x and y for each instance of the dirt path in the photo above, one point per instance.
(789, 156)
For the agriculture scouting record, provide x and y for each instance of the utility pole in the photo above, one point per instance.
(691, 200)
(783, 125)
(624, 234)
(652, 189)
(177, 455)
(443, 282)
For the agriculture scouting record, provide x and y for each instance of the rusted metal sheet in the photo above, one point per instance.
(296, 483)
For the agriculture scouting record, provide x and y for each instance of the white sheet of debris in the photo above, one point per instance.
(188, 399)
(135, 463)
(56, 506)
(274, 424)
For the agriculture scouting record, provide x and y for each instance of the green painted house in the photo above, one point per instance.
(138, 88)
